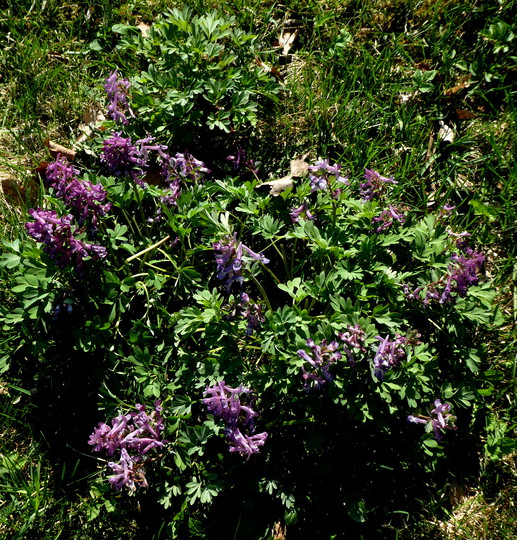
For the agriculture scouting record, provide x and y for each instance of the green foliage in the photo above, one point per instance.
(200, 71)
(153, 321)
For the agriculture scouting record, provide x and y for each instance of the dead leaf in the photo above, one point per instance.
(299, 166)
(274, 70)
(277, 186)
(446, 133)
(144, 28)
(92, 119)
(286, 40)
(464, 114)
(56, 149)
(279, 531)
(463, 83)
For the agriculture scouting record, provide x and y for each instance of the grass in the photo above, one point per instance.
(377, 83)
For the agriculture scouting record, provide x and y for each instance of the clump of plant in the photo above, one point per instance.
(331, 314)
(202, 76)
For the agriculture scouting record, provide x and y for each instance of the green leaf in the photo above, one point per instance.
(10, 260)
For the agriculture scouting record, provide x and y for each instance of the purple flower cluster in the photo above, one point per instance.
(374, 186)
(87, 200)
(387, 218)
(224, 402)
(445, 212)
(353, 341)
(184, 167)
(178, 169)
(462, 273)
(124, 158)
(228, 256)
(389, 354)
(251, 312)
(302, 212)
(59, 239)
(440, 419)
(136, 432)
(322, 357)
(322, 175)
(59, 173)
(117, 90)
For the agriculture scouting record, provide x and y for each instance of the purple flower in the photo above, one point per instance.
(388, 217)
(388, 355)
(117, 90)
(440, 419)
(121, 156)
(374, 186)
(136, 432)
(59, 173)
(229, 261)
(301, 212)
(323, 175)
(239, 160)
(462, 273)
(184, 167)
(251, 312)
(110, 439)
(59, 239)
(124, 158)
(128, 472)
(464, 269)
(323, 356)
(81, 195)
(224, 402)
(353, 340)
(245, 445)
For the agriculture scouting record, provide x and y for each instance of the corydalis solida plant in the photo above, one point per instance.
(132, 436)
(118, 91)
(440, 419)
(224, 402)
(229, 258)
(60, 239)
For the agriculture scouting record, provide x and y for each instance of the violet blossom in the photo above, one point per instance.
(240, 159)
(136, 432)
(374, 186)
(59, 173)
(124, 158)
(183, 167)
(387, 218)
(59, 239)
(229, 259)
(440, 419)
(82, 195)
(302, 212)
(251, 312)
(128, 472)
(322, 175)
(224, 402)
(245, 445)
(320, 360)
(353, 341)
(462, 273)
(117, 90)
(389, 354)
